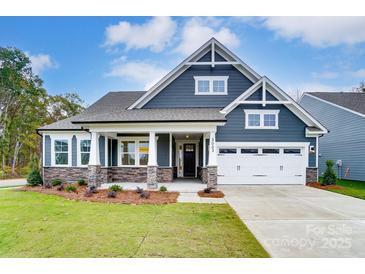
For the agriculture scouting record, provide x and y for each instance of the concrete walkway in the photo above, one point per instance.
(188, 190)
(300, 221)
(12, 182)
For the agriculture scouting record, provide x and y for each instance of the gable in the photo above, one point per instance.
(197, 59)
(181, 91)
(257, 96)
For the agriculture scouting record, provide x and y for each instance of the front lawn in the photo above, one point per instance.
(40, 225)
(351, 188)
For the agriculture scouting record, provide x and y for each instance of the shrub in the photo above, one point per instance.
(163, 189)
(70, 188)
(61, 187)
(56, 182)
(144, 195)
(115, 188)
(329, 176)
(81, 182)
(34, 178)
(112, 194)
(139, 190)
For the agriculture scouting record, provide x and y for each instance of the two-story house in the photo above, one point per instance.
(212, 117)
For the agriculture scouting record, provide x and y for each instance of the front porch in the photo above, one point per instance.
(169, 152)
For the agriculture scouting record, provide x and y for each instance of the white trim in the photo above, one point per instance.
(262, 144)
(212, 157)
(279, 94)
(172, 75)
(69, 150)
(170, 149)
(204, 150)
(262, 112)
(317, 153)
(333, 104)
(263, 93)
(43, 149)
(78, 149)
(212, 63)
(213, 54)
(265, 103)
(211, 79)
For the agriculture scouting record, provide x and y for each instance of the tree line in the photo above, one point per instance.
(25, 106)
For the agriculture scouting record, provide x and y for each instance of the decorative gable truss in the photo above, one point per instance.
(213, 46)
(314, 128)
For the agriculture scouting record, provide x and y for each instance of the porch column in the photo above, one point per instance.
(152, 162)
(212, 162)
(94, 168)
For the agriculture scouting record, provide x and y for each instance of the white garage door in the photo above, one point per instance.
(262, 165)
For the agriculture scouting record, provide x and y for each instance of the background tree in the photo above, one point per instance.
(24, 107)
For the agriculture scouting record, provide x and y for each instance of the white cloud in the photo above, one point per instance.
(145, 74)
(319, 31)
(325, 75)
(197, 31)
(358, 73)
(154, 34)
(41, 62)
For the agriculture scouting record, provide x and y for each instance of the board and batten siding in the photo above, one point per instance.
(181, 91)
(163, 150)
(74, 150)
(47, 150)
(291, 129)
(345, 140)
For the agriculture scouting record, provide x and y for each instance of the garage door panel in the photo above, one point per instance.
(261, 168)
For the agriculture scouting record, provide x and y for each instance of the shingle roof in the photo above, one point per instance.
(352, 100)
(113, 108)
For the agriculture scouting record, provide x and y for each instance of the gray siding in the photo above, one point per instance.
(257, 96)
(291, 129)
(74, 151)
(102, 150)
(208, 57)
(47, 150)
(345, 141)
(180, 93)
(114, 152)
(163, 149)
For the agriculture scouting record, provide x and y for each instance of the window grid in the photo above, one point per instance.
(61, 152)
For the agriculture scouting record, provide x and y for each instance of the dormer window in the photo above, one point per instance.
(211, 85)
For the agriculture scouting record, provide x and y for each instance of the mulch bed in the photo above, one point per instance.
(213, 194)
(123, 197)
(329, 187)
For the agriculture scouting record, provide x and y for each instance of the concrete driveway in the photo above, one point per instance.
(300, 221)
(12, 182)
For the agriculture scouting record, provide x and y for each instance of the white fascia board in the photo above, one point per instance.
(333, 104)
(156, 127)
(184, 65)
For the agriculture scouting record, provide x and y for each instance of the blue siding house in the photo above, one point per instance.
(211, 118)
(343, 114)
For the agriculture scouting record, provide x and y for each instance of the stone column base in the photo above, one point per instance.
(212, 176)
(311, 175)
(152, 177)
(94, 175)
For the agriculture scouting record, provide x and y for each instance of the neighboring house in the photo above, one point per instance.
(343, 114)
(212, 117)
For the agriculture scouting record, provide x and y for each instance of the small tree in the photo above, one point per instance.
(329, 176)
(34, 177)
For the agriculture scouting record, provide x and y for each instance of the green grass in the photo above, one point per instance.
(351, 188)
(39, 225)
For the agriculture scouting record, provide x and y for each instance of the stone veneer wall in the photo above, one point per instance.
(311, 174)
(107, 174)
(212, 179)
(71, 174)
(165, 174)
(204, 175)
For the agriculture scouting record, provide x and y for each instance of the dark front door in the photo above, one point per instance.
(189, 160)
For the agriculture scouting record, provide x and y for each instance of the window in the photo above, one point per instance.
(128, 153)
(262, 119)
(143, 153)
(227, 151)
(85, 151)
(270, 151)
(134, 153)
(211, 85)
(254, 120)
(292, 151)
(249, 150)
(61, 152)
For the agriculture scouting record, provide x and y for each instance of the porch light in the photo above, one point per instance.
(187, 136)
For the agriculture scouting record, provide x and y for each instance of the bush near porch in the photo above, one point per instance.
(38, 225)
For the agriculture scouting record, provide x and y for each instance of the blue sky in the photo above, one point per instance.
(93, 55)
